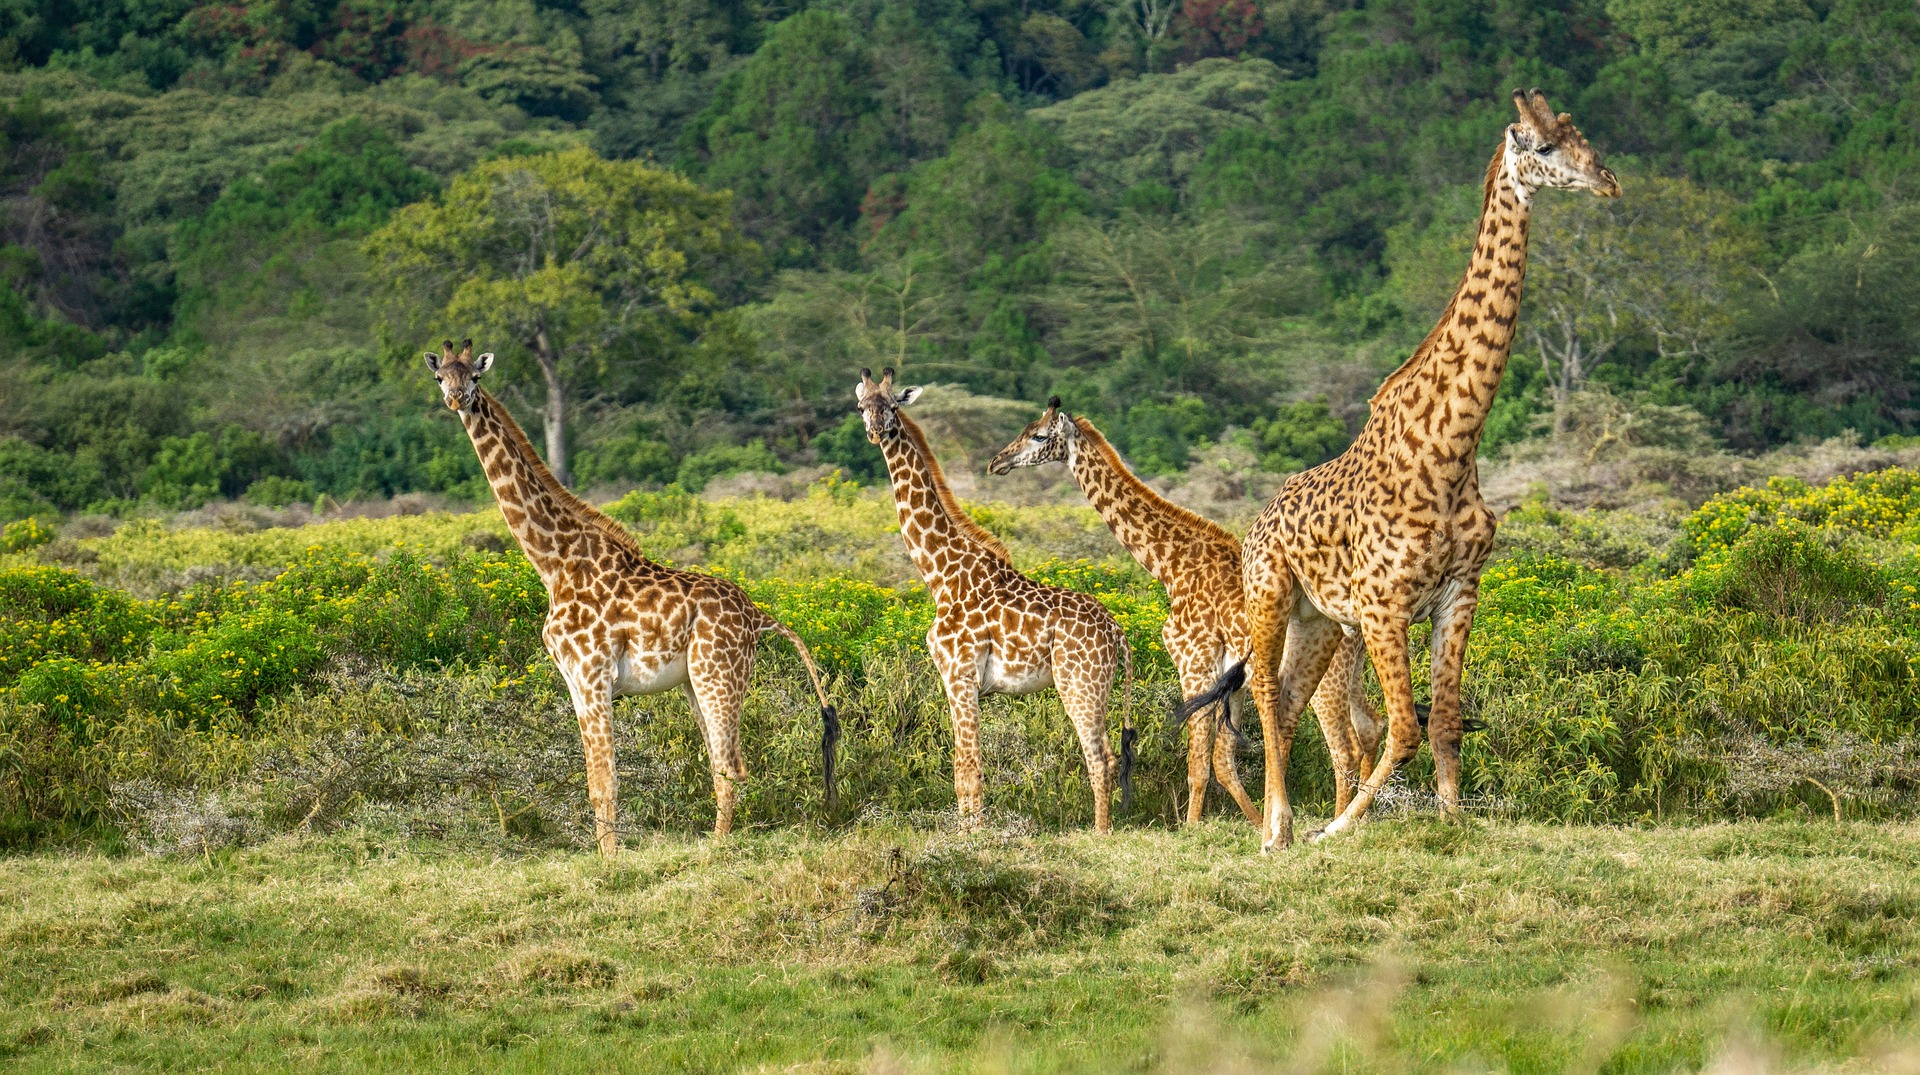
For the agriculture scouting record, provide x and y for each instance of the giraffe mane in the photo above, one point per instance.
(1425, 350)
(619, 535)
(1144, 491)
(948, 501)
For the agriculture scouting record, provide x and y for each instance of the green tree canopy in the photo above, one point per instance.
(562, 256)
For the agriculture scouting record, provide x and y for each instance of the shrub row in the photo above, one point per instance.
(1781, 670)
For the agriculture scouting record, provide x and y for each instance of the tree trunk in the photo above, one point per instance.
(556, 416)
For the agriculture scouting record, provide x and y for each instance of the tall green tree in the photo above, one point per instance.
(565, 255)
(1661, 268)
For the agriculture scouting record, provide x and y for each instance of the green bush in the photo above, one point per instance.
(274, 491)
(1791, 571)
(722, 460)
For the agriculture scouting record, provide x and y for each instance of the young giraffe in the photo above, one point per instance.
(618, 623)
(995, 630)
(1206, 630)
(1394, 531)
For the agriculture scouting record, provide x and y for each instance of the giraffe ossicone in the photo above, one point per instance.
(618, 623)
(996, 631)
(1394, 530)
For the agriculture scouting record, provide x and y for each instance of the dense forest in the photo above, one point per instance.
(227, 230)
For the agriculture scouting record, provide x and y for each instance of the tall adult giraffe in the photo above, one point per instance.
(1198, 563)
(1394, 530)
(618, 623)
(994, 629)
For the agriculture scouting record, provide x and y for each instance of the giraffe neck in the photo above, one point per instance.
(1152, 528)
(545, 519)
(1437, 403)
(943, 543)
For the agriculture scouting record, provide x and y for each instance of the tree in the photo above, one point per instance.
(1164, 302)
(797, 131)
(1660, 265)
(565, 255)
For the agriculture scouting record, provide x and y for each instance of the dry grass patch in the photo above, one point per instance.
(556, 969)
(395, 990)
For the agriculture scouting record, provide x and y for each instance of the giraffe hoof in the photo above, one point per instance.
(1314, 836)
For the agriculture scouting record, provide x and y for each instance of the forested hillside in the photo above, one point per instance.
(227, 230)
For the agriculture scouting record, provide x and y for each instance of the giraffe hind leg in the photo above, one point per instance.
(1226, 768)
(719, 665)
(1086, 706)
(1350, 736)
(1387, 648)
(1202, 732)
(1309, 647)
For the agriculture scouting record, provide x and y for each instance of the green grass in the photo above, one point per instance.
(1416, 945)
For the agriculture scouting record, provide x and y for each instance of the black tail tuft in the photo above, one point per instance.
(1230, 680)
(1226, 721)
(1421, 711)
(830, 753)
(1127, 736)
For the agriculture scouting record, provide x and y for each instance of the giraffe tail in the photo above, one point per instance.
(1230, 680)
(1127, 732)
(829, 716)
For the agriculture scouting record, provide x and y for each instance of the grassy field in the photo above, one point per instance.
(1417, 945)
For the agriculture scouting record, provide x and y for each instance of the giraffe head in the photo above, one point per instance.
(880, 403)
(1545, 150)
(459, 375)
(1046, 439)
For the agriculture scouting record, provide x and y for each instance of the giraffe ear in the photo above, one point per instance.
(483, 364)
(433, 361)
(906, 396)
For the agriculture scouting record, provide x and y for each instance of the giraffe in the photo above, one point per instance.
(1394, 530)
(1198, 562)
(618, 623)
(995, 630)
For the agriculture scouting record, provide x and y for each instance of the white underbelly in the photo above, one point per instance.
(997, 678)
(649, 673)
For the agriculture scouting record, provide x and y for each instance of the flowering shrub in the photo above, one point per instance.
(47, 613)
(24, 534)
(1877, 504)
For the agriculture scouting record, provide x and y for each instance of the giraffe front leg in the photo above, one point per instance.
(1385, 633)
(1445, 728)
(591, 686)
(960, 674)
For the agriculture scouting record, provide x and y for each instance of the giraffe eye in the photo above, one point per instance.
(1040, 437)
(1543, 150)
